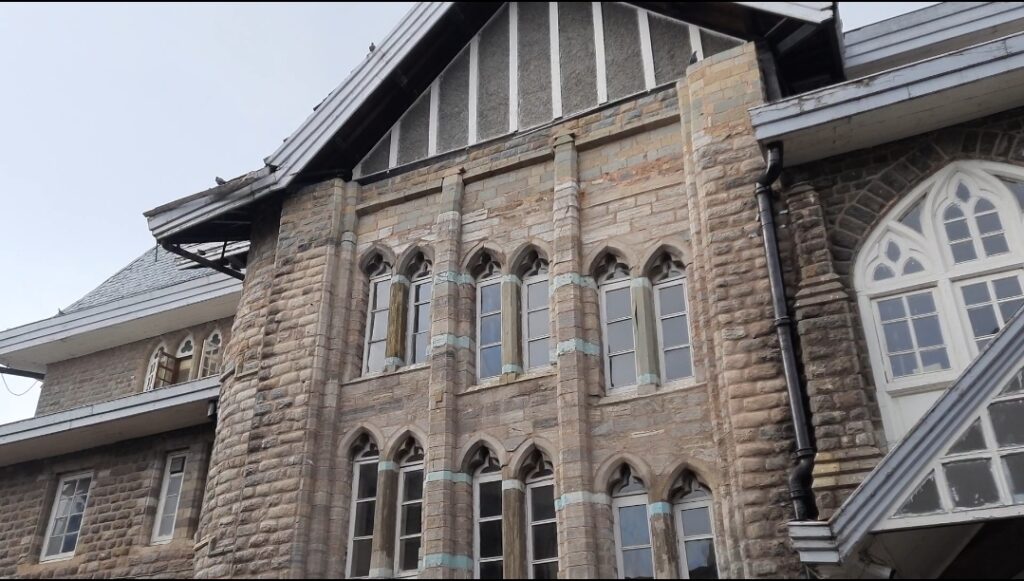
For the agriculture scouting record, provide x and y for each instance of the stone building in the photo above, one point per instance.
(568, 289)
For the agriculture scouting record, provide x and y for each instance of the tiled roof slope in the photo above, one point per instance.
(153, 270)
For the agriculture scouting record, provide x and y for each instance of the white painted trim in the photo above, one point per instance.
(474, 87)
(396, 133)
(696, 44)
(679, 281)
(602, 71)
(410, 333)
(606, 353)
(207, 353)
(355, 501)
(370, 312)
(480, 285)
(524, 291)
(157, 537)
(53, 517)
(646, 49)
(682, 537)
(813, 12)
(513, 66)
(556, 66)
(482, 478)
(530, 523)
(625, 502)
(435, 103)
(399, 572)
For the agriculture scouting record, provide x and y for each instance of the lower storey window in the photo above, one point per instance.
(66, 517)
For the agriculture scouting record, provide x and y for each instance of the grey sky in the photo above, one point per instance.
(110, 110)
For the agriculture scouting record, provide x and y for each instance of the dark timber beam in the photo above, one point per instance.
(203, 261)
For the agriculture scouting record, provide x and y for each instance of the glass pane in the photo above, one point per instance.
(421, 347)
(412, 489)
(674, 332)
(957, 230)
(989, 223)
(537, 295)
(409, 559)
(633, 529)
(364, 518)
(361, 557)
(983, 320)
(60, 525)
(994, 245)
(623, 370)
(1015, 470)
(696, 521)
(971, 441)
(700, 559)
(375, 359)
(1009, 308)
(74, 523)
(53, 546)
(174, 486)
(620, 336)
(883, 272)
(382, 297)
(890, 309)
(490, 361)
(545, 541)
(637, 564)
(379, 326)
(177, 464)
(367, 480)
(963, 252)
(912, 266)
(1008, 422)
(976, 294)
(540, 354)
(490, 329)
(671, 300)
(542, 501)
(934, 360)
(490, 298)
(617, 304)
(1014, 385)
(545, 571)
(971, 484)
(924, 500)
(423, 292)
(538, 324)
(903, 365)
(166, 526)
(422, 322)
(921, 304)
(927, 332)
(913, 218)
(490, 539)
(490, 499)
(897, 336)
(412, 519)
(491, 570)
(892, 252)
(69, 543)
(678, 364)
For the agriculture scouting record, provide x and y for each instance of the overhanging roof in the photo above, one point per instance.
(910, 100)
(145, 414)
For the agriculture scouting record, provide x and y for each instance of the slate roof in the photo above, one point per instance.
(155, 269)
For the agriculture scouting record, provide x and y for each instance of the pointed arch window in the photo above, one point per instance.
(634, 553)
(210, 364)
(378, 271)
(541, 522)
(673, 326)
(366, 457)
(618, 323)
(937, 280)
(409, 525)
(160, 370)
(487, 273)
(488, 545)
(695, 529)
(421, 288)
(535, 302)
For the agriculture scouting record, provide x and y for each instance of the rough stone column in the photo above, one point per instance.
(513, 529)
(663, 541)
(394, 349)
(576, 522)
(648, 373)
(440, 556)
(382, 560)
(511, 331)
(843, 415)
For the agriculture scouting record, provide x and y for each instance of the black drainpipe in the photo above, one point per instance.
(801, 476)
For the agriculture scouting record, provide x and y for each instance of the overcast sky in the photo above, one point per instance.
(109, 110)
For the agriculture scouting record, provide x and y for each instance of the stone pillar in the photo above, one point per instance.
(663, 541)
(575, 357)
(843, 416)
(440, 556)
(648, 369)
(394, 349)
(511, 328)
(382, 560)
(513, 529)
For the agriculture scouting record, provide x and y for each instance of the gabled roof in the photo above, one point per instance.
(353, 117)
(885, 500)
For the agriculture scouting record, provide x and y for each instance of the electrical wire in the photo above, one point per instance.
(10, 391)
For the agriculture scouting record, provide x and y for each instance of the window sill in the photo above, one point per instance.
(56, 559)
(650, 390)
(399, 371)
(501, 380)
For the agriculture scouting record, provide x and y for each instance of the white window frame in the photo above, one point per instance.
(940, 274)
(371, 297)
(209, 353)
(682, 537)
(526, 310)
(619, 502)
(162, 539)
(356, 474)
(483, 478)
(153, 368)
(411, 322)
(53, 516)
(659, 317)
(607, 287)
(413, 467)
(480, 285)
(180, 355)
(962, 304)
(531, 485)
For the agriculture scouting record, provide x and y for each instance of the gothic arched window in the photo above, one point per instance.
(618, 323)
(378, 270)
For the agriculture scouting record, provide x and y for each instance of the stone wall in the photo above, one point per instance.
(115, 372)
(117, 526)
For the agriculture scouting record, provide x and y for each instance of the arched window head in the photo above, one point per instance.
(365, 457)
(671, 298)
(665, 268)
(533, 264)
(421, 289)
(618, 323)
(611, 269)
(409, 516)
(695, 528)
(487, 273)
(634, 555)
(410, 453)
(937, 279)
(211, 360)
(185, 356)
(541, 521)
(488, 561)
(375, 350)
(484, 267)
(419, 267)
